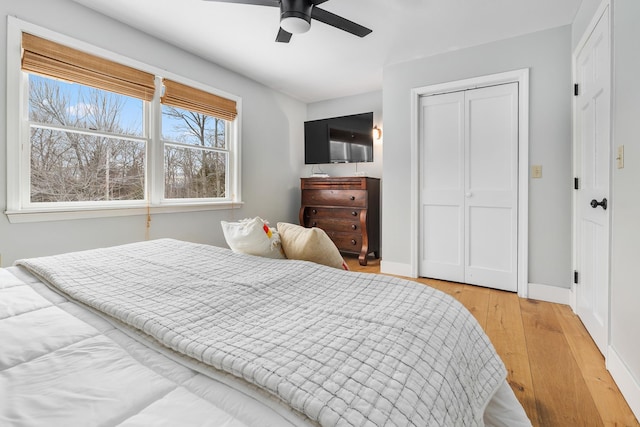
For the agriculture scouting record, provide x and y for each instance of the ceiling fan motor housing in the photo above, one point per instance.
(295, 15)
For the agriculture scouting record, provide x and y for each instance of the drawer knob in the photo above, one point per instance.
(353, 242)
(314, 224)
(352, 198)
(354, 227)
(314, 211)
(354, 213)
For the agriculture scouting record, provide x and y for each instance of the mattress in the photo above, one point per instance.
(66, 362)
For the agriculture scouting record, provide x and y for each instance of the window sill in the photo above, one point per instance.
(43, 215)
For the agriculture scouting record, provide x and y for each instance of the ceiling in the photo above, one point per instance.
(325, 62)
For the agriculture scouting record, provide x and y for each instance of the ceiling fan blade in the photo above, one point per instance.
(339, 22)
(283, 36)
(272, 3)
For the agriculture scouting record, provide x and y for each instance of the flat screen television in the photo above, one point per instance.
(345, 139)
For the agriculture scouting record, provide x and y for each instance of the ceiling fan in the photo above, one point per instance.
(296, 15)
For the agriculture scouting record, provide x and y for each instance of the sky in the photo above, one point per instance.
(131, 115)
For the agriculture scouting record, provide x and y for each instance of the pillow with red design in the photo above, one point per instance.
(253, 236)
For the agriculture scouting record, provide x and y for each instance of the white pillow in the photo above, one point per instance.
(310, 244)
(252, 236)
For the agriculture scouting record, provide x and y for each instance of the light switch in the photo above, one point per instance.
(536, 171)
(620, 157)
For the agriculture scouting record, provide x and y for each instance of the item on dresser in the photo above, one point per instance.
(347, 209)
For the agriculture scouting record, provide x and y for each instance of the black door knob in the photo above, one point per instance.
(603, 203)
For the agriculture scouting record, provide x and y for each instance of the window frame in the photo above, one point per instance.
(19, 207)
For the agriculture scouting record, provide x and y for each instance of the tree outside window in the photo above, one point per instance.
(89, 144)
(195, 154)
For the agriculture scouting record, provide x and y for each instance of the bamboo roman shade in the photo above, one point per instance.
(192, 99)
(54, 60)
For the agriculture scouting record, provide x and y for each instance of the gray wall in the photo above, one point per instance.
(547, 54)
(625, 249)
(582, 20)
(272, 131)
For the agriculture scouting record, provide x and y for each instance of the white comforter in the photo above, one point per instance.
(342, 348)
(61, 365)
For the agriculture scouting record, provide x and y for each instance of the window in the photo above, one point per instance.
(194, 136)
(97, 136)
(195, 154)
(86, 144)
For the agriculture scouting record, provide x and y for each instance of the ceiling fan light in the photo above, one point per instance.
(295, 24)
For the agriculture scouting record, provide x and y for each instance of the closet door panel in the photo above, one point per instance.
(442, 186)
(491, 186)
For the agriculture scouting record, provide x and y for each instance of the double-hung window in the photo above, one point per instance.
(195, 126)
(96, 136)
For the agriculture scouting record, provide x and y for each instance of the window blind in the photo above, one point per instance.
(54, 60)
(192, 99)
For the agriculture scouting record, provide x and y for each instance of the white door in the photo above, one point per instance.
(442, 185)
(469, 186)
(592, 116)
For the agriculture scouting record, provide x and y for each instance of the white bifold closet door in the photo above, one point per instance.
(469, 186)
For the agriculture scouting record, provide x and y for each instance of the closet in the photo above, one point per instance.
(468, 186)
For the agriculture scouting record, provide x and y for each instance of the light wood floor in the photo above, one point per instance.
(554, 367)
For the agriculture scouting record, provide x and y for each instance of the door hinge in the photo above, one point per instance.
(576, 89)
(575, 276)
(576, 183)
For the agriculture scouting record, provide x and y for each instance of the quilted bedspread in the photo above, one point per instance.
(343, 348)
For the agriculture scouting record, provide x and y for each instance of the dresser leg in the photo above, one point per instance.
(362, 258)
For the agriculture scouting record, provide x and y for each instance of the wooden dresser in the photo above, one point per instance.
(347, 209)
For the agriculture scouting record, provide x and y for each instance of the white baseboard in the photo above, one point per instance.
(395, 268)
(550, 293)
(627, 384)
(535, 291)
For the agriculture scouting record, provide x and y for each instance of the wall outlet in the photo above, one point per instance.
(536, 171)
(620, 157)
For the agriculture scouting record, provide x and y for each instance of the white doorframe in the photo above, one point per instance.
(521, 77)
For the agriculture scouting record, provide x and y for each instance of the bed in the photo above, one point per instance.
(167, 332)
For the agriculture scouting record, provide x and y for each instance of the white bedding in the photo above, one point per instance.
(61, 365)
(60, 351)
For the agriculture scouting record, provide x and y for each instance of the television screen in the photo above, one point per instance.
(345, 139)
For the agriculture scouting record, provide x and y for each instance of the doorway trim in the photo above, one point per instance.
(522, 78)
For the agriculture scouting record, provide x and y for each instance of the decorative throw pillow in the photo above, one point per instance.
(309, 244)
(252, 236)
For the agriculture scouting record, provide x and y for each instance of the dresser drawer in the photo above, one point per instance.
(318, 213)
(357, 198)
(333, 224)
(347, 242)
(340, 183)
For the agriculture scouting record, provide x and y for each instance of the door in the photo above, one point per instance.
(442, 186)
(592, 116)
(469, 186)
